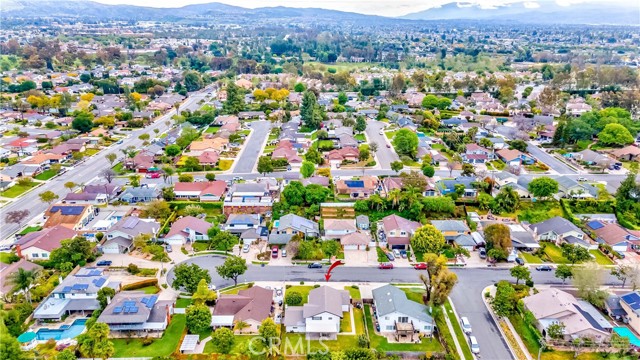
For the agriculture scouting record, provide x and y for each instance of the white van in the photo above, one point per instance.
(473, 343)
(466, 325)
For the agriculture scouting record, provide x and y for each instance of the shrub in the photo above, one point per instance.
(293, 298)
(141, 284)
(316, 286)
(133, 269)
(147, 341)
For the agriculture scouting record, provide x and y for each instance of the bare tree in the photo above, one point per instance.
(16, 217)
(452, 165)
(373, 146)
(108, 175)
(111, 157)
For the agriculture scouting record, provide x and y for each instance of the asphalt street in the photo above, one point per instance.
(88, 169)
(549, 159)
(467, 294)
(253, 147)
(385, 156)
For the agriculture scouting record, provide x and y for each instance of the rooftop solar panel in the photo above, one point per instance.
(133, 310)
(117, 310)
(80, 286)
(595, 225)
(68, 210)
(66, 289)
(99, 282)
(354, 183)
(152, 301)
(633, 300)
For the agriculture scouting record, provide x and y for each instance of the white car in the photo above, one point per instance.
(466, 325)
(582, 178)
(473, 343)
(245, 248)
(381, 132)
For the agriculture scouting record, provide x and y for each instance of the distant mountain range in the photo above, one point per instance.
(547, 12)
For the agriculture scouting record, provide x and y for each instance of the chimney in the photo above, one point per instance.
(19, 251)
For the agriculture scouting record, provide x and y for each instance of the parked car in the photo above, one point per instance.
(420, 266)
(582, 178)
(466, 325)
(154, 175)
(483, 254)
(403, 253)
(396, 253)
(544, 268)
(381, 132)
(315, 265)
(168, 247)
(274, 252)
(245, 248)
(473, 344)
(119, 141)
(104, 263)
(519, 261)
(388, 146)
(236, 178)
(390, 256)
(284, 253)
(385, 265)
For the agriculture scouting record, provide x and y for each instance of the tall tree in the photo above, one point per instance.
(564, 272)
(188, 277)
(111, 157)
(439, 281)
(198, 318)
(520, 273)
(427, 239)
(22, 280)
(543, 187)
(48, 196)
(16, 216)
(504, 302)
(232, 268)
(235, 99)
(223, 339)
(95, 343)
(309, 111)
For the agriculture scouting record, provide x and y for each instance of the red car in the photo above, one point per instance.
(154, 175)
(385, 265)
(420, 266)
(274, 252)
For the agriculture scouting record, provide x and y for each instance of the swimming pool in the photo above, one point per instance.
(625, 332)
(63, 332)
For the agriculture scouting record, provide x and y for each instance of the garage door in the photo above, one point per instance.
(351, 247)
(174, 242)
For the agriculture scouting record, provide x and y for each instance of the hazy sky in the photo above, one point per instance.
(375, 7)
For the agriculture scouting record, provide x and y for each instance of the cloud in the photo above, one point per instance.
(531, 5)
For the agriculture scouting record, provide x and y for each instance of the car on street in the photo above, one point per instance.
(582, 178)
(169, 248)
(473, 344)
(274, 252)
(119, 141)
(466, 325)
(381, 132)
(519, 261)
(315, 265)
(236, 178)
(104, 263)
(420, 266)
(385, 265)
(544, 268)
(388, 146)
(245, 248)
(154, 175)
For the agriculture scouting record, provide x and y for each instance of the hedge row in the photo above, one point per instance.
(140, 284)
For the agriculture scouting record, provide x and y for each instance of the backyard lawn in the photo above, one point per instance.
(295, 343)
(355, 293)
(240, 342)
(46, 175)
(183, 303)
(8, 258)
(360, 137)
(300, 289)
(149, 290)
(17, 190)
(212, 129)
(601, 258)
(234, 290)
(345, 323)
(462, 339)
(163, 346)
(538, 211)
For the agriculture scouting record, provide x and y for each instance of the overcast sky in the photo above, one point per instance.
(374, 7)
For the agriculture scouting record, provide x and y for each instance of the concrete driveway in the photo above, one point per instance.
(384, 156)
(361, 257)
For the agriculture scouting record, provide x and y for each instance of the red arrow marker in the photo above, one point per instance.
(327, 276)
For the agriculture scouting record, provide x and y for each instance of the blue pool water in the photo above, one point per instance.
(625, 332)
(420, 135)
(63, 332)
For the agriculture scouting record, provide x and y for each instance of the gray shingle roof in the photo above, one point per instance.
(389, 299)
(298, 223)
(557, 224)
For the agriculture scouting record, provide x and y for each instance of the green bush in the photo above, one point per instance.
(293, 298)
(140, 284)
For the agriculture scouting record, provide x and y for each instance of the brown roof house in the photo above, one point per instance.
(581, 319)
(250, 306)
(187, 229)
(38, 245)
(360, 188)
(6, 270)
(74, 216)
(397, 231)
(356, 241)
(627, 153)
(205, 191)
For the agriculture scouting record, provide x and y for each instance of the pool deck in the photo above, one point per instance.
(55, 326)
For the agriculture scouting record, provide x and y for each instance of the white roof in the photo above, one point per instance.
(189, 343)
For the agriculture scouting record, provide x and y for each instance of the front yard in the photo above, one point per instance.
(46, 175)
(163, 346)
(601, 258)
(17, 190)
(300, 289)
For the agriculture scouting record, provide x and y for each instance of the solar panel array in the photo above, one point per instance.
(149, 301)
(633, 300)
(595, 225)
(354, 183)
(80, 286)
(99, 281)
(68, 210)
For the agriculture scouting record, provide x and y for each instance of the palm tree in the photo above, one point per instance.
(377, 202)
(22, 281)
(394, 197)
(167, 172)
(409, 196)
(240, 325)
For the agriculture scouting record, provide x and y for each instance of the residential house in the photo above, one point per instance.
(208, 158)
(337, 228)
(464, 182)
(216, 144)
(43, 159)
(320, 317)
(187, 229)
(523, 238)
(140, 194)
(476, 154)
(357, 189)
(630, 303)
(77, 293)
(614, 235)
(577, 107)
(590, 157)
(203, 191)
(38, 245)
(6, 271)
(613, 308)
(251, 306)
(293, 224)
(135, 313)
(358, 240)
(85, 198)
(239, 223)
(571, 188)
(580, 319)
(627, 153)
(254, 235)
(558, 229)
(455, 231)
(397, 231)
(513, 157)
(337, 156)
(248, 198)
(362, 222)
(398, 315)
(141, 162)
(119, 238)
(74, 217)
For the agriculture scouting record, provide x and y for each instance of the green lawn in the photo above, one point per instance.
(46, 175)
(345, 323)
(302, 290)
(8, 258)
(200, 246)
(118, 168)
(234, 290)
(381, 343)
(212, 129)
(554, 253)
(462, 339)
(241, 343)
(325, 144)
(358, 317)
(149, 290)
(529, 337)
(390, 134)
(30, 229)
(414, 293)
(601, 258)
(530, 258)
(535, 212)
(342, 66)
(17, 190)
(91, 152)
(355, 293)
(497, 164)
(360, 137)
(296, 344)
(163, 346)
(183, 303)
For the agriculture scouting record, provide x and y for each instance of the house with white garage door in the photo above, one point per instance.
(187, 229)
(119, 239)
(356, 241)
